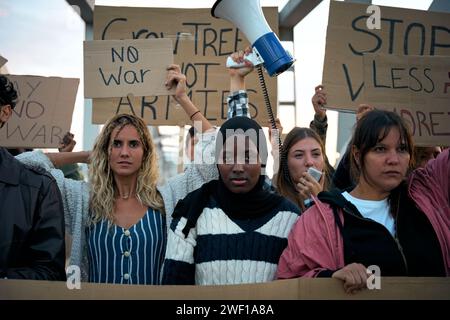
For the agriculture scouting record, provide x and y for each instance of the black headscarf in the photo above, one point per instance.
(253, 204)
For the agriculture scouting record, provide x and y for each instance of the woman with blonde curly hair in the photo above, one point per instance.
(118, 221)
(126, 221)
(123, 170)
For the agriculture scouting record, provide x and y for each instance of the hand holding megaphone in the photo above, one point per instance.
(247, 58)
(249, 18)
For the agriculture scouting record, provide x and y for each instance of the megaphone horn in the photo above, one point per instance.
(248, 17)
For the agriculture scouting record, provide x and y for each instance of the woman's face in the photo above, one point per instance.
(386, 164)
(302, 155)
(240, 167)
(127, 151)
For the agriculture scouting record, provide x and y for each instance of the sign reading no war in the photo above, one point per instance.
(43, 113)
(117, 68)
(417, 88)
(201, 44)
(402, 32)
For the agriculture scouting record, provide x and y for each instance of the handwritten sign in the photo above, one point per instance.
(201, 44)
(43, 113)
(402, 32)
(116, 68)
(417, 88)
(3, 61)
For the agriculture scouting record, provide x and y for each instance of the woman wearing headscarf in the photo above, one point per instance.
(231, 230)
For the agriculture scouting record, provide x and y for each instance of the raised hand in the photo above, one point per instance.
(177, 79)
(362, 110)
(319, 100)
(239, 57)
(237, 75)
(68, 143)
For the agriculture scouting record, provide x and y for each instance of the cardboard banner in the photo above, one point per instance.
(117, 68)
(392, 288)
(402, 32)
(3, 61)
(201, 44)
(417, 88)
(43, 113)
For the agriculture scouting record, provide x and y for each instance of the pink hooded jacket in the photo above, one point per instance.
(315, 242)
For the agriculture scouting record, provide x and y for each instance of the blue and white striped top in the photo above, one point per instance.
(128, 256)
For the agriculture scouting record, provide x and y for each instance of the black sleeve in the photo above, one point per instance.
(342, 177)
(45, 246)
(178, 273)
(320, 127)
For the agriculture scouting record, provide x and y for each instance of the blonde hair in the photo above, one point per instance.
(103, 188)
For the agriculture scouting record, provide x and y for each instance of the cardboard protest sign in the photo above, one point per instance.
(417, 88)
(43, 113)
(303, 288)
(402, 32)
(2, 61)
(117, 68)
(201, 44)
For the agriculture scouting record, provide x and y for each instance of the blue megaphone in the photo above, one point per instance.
(248, 17)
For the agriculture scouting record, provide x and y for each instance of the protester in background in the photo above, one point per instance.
(424, 154)
(31, 213)
(231, 230)
(401, 226)
(302, 149)
(342, 178)
(118, 221)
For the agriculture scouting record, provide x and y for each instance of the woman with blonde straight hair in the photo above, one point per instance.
(118, 221)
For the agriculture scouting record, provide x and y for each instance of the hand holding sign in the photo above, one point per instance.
(200, 45)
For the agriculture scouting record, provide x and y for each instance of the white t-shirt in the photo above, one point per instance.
(375, 210)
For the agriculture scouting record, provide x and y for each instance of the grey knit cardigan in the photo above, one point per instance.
(75, 194)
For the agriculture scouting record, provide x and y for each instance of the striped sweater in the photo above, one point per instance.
(221, 250)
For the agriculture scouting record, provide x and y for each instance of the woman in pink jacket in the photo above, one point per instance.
(400, 225)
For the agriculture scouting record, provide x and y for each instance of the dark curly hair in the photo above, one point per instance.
(8, 95)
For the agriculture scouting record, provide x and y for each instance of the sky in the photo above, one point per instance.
(45, 37)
